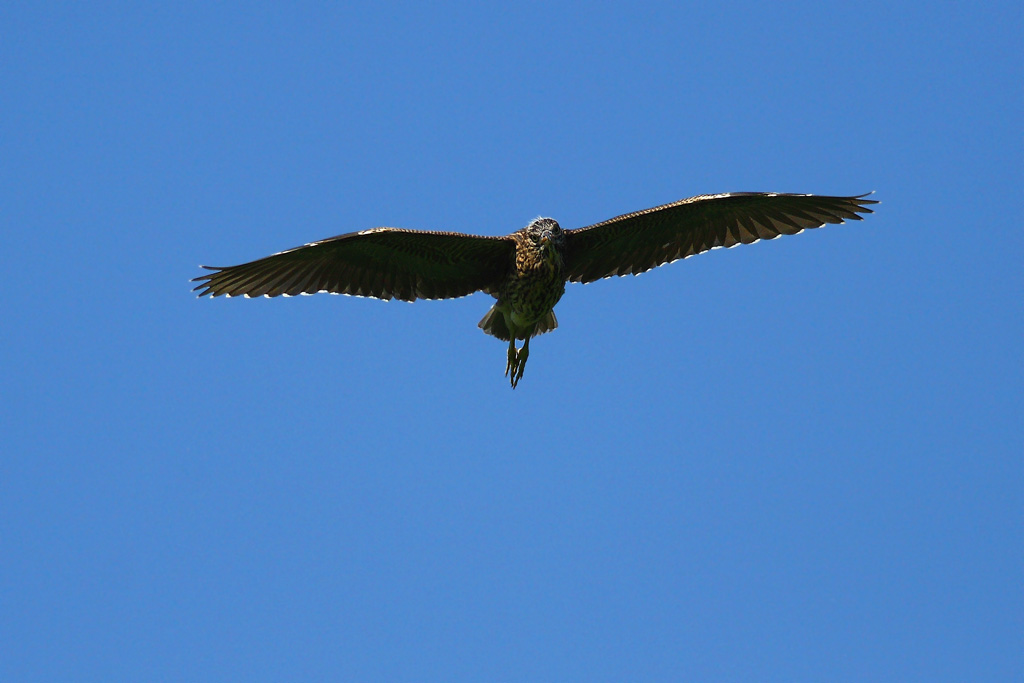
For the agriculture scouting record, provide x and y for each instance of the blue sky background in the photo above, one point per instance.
(797, 460)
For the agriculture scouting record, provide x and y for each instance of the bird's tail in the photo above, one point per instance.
(494, 324)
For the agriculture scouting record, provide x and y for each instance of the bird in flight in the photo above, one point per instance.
(525, 271)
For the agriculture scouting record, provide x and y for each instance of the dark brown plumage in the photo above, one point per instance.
(527, 270)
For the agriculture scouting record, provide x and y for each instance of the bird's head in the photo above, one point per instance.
(547, 235)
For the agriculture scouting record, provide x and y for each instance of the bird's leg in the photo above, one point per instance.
(524, 353)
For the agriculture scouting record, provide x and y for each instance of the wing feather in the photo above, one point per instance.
(385, 263)
(636, 242)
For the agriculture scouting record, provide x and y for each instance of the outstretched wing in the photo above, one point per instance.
(386, 263)
(637, 242)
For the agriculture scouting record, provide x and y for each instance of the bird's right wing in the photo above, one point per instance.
(385, 263)
(636, 242)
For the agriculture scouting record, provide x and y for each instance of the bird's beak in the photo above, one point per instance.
(545, 240)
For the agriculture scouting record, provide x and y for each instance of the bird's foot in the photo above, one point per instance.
(517, 362)
(519, 371)
(513, 357)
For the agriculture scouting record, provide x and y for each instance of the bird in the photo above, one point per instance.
(527, 270)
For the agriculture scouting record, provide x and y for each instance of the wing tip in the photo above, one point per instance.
(206, 282)
(859, 201)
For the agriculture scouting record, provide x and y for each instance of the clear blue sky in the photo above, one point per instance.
(798, 460)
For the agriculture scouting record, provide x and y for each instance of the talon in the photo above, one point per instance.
(516, 371)
(521, 357)
(512, 359)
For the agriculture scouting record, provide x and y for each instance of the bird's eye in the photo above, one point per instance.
(555, 229)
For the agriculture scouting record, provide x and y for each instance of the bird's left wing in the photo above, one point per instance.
(385, 263)
(636, 242)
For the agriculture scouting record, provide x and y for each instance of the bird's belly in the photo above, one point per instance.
(532, 297)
